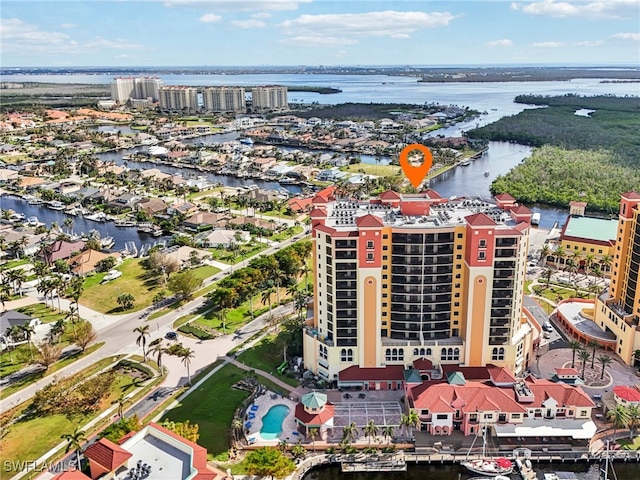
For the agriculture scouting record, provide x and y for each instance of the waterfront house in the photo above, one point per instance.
(123, 203)
(7, 175)
(86, 261)
(61, 250)
(31, 183)
(256, 222)
(204, 221)
(182, 208)
(33, 242)
(151, 206)
(221, 238)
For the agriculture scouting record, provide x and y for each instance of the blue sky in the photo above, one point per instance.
(318, 32)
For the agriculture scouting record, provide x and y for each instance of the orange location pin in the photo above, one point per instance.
(415, 174)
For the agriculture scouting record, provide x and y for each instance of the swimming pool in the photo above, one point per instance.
(272, 422)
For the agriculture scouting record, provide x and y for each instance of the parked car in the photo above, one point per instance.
(171, 336)
(547, 327)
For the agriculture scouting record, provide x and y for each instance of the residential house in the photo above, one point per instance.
(151, 206)
(256, 222)
(182, 255)
(182, 208)
(86, 261)
(204, 221)
(31, 183)
(11, 318)
(222, 238)
(124, 202)
(61, 250)
(7, 175)
(33, 242)
(299, 204)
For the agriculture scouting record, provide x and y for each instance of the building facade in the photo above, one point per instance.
(404, 277)
(179, 99)
(618, 309)
(270, 98)
(124, 89)
(224, 99)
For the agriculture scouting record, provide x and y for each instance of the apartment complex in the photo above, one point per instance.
(618, 309)
(124, 89)
(179, 99)
(269, 98)
(404, 277)
(224, 99)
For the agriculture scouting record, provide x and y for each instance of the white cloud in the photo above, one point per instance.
(21, 38)
(503, 42)
(68, 25)
(261, 15)
(617, 9)
(588, 43)
(628, 36)
(318, 41)
(353, 26)
(249, 23)
(210, 18)
(238, 5)
(548, 44)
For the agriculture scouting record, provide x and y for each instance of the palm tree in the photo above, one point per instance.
(76, 287)
(548, 272)
(236, 426)
(593, 345)
(604, 360)
(122, 400)
(588, 262)
(266, 297)
(221, 315)
(584, 356)
(606, 262)
(27, 331)
(575, 346)
(350, 432)
(559, 253)
(68, 222)
(412, 420)
(387, 432)
(371, 430)
(158, 350)
(619, 415)
(126, 301)
(186, 354)
(74, 441)
(313, 433)
(143, 332)
(544, 253)
(634, 418)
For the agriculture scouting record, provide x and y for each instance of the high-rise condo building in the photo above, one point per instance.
(224, 99)
(270, 98)
(135, 88)
(179, 99)
(618, 309)
(405, 277)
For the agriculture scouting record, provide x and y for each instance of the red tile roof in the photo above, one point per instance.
(107, 454)
(500, 375)
(631, 195)
(423, 364)
(71, 475)
(578, 204)
(369, 221)
(566, 371)
(564, 394)
(630, 394)
(299, 204)
(471, 397)
(521, 210)
(355, 373)
(318, 213)
(390, 195)
(504, 196)
(479, 220)
(320, 418)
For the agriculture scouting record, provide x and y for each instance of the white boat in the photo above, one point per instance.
(107, 242)
(535, 218)
(496, 477)
(465, 163)
(33, 200)
(56, 205)
(484, 465)
(125, 223)
(97, 217)
(33, 221)
(16, 217)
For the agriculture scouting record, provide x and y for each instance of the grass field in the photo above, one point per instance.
(214, 420)
(43, 312)
(245, 251)
(267, 356)
(32, 437)
(377, 170)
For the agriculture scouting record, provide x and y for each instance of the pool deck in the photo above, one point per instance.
(265, 402)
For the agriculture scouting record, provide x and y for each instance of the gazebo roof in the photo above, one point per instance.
(314, 400)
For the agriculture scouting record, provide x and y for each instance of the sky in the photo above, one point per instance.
(69, 33)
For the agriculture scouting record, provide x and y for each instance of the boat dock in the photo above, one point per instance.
(393, 462)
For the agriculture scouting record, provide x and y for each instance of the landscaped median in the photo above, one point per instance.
(59, 408)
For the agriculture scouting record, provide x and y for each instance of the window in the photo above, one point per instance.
(482, 243)
(442, 416)
(497, 353)
(370, 257)
(346, 355)
(482, 256)
(459, 235)
(323, 352)
(394, 355)
(450, 354)
(369, 243)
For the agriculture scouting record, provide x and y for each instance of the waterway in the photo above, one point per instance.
(584, 471)
(80, 224)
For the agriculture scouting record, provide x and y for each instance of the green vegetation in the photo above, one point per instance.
(556, 176)
(612, 126)
(369, 111)
(267, 356)
(214, 422)
(243, 252)
(42, 312)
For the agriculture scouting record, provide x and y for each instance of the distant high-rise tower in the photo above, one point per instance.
(179, 99)
(135, 88)
(618, 310)
(270, 98)
(224, 99)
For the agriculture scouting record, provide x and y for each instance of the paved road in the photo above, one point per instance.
(117, 332)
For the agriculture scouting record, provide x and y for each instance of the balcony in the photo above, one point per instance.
(346, 294)
(351, 275)
(505, 253)
(346, 255)
(346, 285)
(501, 284)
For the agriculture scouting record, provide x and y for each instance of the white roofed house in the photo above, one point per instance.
(222, 238)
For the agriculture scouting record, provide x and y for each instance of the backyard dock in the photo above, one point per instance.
(375, 463)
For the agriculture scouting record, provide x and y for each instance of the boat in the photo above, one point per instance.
(16, 217)
(33, 221)
(485, 465)
(97, 217)
(107, 242)
(157, 232)
(33, 200)
(496, 477)
(560, 476)
(56, 205)
(486, 174)
(465, 163)
(246, 141)
(535, 218)
(125, 223)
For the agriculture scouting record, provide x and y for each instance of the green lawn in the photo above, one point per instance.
(205, 271)
(287, 233)
(142, 284)
(375, 169)
(267, 356)
(245, 251)
(214, 419)
(629, 444)
(43, 312)
(17, 262)
(30, 438)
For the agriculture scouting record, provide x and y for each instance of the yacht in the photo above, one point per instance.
(124, 223)
(107, 242)
(33, 200)
(56, 205)
(33, 221)
(97, 217)
(465, 163)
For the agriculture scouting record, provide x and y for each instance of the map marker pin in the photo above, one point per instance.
(415, 174)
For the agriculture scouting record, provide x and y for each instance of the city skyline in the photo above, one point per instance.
(318, 32)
